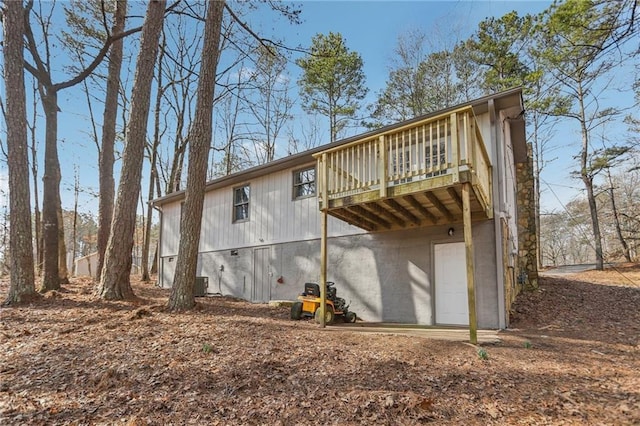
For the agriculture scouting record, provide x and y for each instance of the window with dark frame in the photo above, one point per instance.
(241, 203)
(304, 183)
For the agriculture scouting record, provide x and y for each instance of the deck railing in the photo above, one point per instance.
(445, 144)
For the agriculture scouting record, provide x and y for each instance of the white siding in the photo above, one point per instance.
(170, 229)
(274, 217)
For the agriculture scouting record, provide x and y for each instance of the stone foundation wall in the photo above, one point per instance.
(527, 274)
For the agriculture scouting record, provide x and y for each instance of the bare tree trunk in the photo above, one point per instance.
(616, 218)
(48, 95)
(74, 239)
(152, 177)
(51, 191)
(200, 140)
(115, 278)
(587, 179)
(107, 183)
(63, 269)
(154, 264)
(22, 285)
(34, 172)
(178, 160)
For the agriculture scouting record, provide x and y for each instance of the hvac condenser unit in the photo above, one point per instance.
(200, 288)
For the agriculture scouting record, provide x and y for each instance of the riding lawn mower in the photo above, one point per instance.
(308, 305)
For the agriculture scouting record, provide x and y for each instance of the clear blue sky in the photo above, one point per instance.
(370, 28)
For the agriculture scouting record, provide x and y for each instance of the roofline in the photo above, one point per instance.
(301, 158)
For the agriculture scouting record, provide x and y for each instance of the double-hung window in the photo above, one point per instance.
(241, 203)
(304, 183)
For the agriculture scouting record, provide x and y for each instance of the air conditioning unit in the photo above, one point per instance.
(200, 287)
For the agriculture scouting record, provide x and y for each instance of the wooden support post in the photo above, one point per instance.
(383, 164)
(468, 245)
(323, 267)
(323, 250)
(455, 147)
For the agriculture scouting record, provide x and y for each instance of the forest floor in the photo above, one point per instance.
(571, 356)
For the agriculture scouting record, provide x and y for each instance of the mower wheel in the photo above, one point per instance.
(350, 317)
(296, 311)
(328, 315)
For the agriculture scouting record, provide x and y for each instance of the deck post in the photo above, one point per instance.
(323, 242)
(383, 164)
(468, 245)
(455, 147)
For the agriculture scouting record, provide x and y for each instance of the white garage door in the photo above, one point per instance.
(451, 284)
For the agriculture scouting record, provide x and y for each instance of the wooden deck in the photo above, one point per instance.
(409, 176)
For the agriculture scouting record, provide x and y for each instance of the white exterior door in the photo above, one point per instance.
(450, 267)
(261, 290)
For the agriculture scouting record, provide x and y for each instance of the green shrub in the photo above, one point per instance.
(483, 354)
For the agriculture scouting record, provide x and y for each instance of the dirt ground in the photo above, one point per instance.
(571, 356)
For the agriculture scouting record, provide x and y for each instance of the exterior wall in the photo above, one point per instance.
(386, 276)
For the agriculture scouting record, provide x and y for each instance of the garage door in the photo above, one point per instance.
(451, 284)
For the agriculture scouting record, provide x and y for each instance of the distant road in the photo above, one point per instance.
(569, 269)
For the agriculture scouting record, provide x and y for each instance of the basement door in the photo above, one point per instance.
(452, 307)
(261, 289)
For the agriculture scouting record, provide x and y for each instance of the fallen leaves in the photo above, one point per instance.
(74, 359)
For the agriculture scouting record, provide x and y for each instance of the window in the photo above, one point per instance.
(304, 183)
(241, 203)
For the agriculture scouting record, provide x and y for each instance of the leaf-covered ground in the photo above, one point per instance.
(571, 356)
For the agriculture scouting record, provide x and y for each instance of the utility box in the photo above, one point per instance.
(200, 287)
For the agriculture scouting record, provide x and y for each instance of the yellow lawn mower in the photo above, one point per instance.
(308, 305)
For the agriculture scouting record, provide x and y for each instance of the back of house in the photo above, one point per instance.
(395, 199)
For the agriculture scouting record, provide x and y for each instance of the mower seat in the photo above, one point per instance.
(311, 289)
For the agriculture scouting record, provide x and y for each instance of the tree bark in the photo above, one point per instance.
(115, 277)
(63, 269)
(22, 285)
(107, 159)
(182, 292)
(51, 192)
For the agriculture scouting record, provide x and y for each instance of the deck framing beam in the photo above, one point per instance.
(403, 211)
(454, 195)
(366, 214)
(438, 205)
(379, 210)
(423, 211)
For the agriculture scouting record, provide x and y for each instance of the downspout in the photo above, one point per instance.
(498, 201)
(159, 259)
